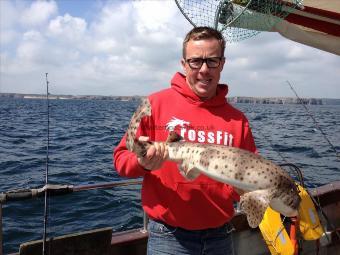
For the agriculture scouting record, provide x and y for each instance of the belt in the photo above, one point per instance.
(227, 226)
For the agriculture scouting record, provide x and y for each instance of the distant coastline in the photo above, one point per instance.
(238, 99)
(68, 97)
(275, 100)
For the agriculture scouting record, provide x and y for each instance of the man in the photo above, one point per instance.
(188, 217)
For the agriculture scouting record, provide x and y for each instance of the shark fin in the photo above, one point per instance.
(188, 171)
(173, 137)
(254, 204)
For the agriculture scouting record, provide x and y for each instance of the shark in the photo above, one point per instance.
(264, 183)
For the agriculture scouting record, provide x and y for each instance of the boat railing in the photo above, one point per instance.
(58, 190)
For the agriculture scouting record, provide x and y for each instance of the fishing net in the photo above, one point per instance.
(237, 19)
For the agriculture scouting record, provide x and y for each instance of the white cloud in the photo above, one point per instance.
(67, 28)
(295, 52)
(106, 45)
(260, 66)
(8, 36)
(28, 54)
(30, 46)
(8, 19)
(38, 13)
(154, 15)
(116, 20)
(134, 47)
(8, 14)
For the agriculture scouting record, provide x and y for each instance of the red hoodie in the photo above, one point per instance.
(166, 195)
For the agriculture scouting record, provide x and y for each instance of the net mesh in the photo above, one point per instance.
(237, 19)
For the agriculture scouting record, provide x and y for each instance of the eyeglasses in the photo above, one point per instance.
(196, 63)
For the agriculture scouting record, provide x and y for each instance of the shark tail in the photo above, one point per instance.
(173, 137)
(141, 147)
(144, 109)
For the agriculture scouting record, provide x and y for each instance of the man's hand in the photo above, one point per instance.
(155, 156)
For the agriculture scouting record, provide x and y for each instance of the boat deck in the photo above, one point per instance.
(245, 239)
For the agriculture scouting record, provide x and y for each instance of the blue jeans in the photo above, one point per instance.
(164, 239)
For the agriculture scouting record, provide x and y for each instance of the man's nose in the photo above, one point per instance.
(204, 68)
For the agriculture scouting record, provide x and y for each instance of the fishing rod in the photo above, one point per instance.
(44, 252)
(1, 241)
(315, 122)
(59, 189)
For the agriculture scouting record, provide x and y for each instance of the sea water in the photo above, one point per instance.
(83, 134)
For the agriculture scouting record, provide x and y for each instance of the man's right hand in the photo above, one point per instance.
(155, 155)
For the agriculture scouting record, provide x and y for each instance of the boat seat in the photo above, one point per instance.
(94, 242)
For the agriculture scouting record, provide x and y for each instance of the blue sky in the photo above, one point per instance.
(78, 8)
(134, 48)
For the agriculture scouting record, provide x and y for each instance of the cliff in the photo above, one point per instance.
(245, 100)
(275, 100)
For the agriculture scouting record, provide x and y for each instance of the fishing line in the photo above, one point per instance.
(315, 122)
(283, 158)
(272, 146)
(298, 172)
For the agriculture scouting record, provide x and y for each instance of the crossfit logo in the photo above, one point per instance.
(174, 122)
(200, 134)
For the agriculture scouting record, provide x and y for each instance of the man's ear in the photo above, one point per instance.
(183, 64)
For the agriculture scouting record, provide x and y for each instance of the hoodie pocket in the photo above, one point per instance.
(201, 205)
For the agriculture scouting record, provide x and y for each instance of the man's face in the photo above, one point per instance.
(203, 81)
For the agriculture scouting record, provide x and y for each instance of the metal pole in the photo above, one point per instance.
(46, 170)
(59, 190)
(105, 185)
(1, 251)
(145, 222)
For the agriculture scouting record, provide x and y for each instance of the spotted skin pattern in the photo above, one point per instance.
(144, 109)
(265, 184)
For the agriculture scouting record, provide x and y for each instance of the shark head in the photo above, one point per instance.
(286, 199)
(283, 198)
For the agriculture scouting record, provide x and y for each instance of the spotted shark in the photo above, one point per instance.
(263, 182)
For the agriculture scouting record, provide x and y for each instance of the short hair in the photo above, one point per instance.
(202, 33)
